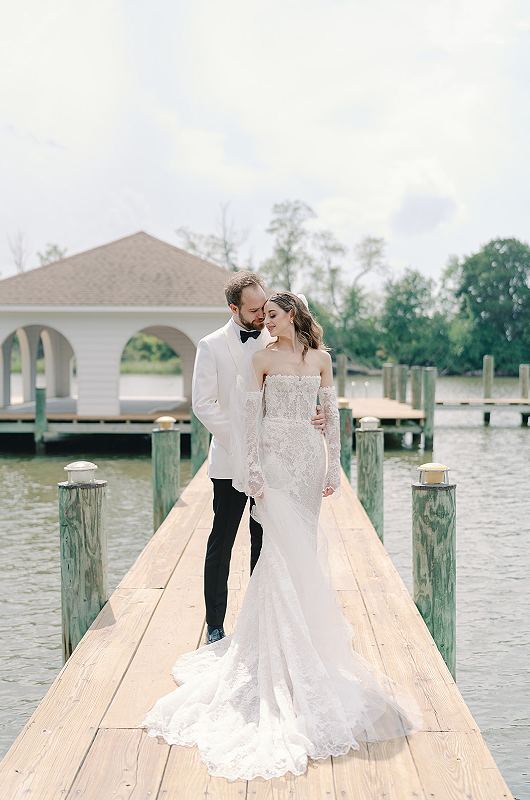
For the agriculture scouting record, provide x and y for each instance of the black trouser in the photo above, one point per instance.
(228, 507)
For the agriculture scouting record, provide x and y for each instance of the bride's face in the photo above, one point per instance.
(277, 321)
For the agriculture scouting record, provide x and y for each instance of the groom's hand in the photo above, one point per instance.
(319, 420)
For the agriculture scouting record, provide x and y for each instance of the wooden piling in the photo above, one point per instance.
(346, 430)
(434, 563)
(429, 392)
(415, 386)
(524, 371)
(200, 443)
(165, 461)
(487, 383)
(369, 446)
(83, 549)
(41, 424)
(341, 374)
(393, 383)
(402, 377)
(387, 379)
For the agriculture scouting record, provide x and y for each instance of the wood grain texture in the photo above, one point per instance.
(165, 463)
(434, 564)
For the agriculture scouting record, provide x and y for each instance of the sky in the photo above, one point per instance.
(408, 121)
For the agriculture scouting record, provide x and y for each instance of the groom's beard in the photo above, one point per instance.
(251, 326)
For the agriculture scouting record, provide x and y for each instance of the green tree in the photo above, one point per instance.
(291, 244)
(52, 253)
(493, 290)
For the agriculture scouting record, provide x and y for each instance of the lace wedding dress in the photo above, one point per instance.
(286, 685)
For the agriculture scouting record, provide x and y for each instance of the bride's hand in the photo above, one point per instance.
(327, 491)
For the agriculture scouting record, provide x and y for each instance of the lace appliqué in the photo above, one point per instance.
(253, 410)
(328, 401)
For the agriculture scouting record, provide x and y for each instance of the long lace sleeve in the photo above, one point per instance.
(253, 413)
(328, 401)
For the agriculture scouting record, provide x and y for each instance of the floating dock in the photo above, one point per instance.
(84, 739)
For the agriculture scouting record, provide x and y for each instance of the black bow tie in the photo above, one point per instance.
(247, 334)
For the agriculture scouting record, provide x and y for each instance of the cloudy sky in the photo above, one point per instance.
(408, 120)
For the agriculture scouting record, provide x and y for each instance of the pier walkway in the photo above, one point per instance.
(83, 740)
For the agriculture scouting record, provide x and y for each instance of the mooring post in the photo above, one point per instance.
(369, 444)
(387, 379)
(41, 424)
(393, 382)
(83, 548)
(165, 462)
(524, 370)
(346, 430)
(434, 556)
(487, 383)
(200, 443)
(402, 377)
(429, 392)
(415, 386)
(341, 374)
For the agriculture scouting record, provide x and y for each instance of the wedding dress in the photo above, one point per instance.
(286, 684)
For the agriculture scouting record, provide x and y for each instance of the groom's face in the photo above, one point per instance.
(251, 313)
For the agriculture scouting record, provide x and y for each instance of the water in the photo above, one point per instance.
(490, 466)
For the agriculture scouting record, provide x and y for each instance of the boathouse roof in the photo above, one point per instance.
(138, 270)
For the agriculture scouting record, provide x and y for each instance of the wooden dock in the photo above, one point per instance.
(83, 740)
(395, 417)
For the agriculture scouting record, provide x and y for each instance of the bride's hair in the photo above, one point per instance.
(307, 329)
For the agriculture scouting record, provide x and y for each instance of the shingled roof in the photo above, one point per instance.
(137, 270)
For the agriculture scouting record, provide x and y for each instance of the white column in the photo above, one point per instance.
(28, 337)
(98, 378)
(5, 370)
(57, 355)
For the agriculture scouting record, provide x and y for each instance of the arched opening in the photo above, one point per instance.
(156, 367)
(37, 355)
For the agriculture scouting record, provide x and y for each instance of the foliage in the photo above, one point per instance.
(52, 253)
(290, 253)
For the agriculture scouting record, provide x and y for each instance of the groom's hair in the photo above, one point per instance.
(237, 283)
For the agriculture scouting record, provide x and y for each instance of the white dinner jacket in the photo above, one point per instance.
(220, 357)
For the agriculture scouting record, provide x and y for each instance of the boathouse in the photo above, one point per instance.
(87, 306)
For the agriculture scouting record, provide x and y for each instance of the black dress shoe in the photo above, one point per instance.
(214, 634)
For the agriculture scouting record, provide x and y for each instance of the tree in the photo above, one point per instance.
(326, 269)
(493, 290)
(370, 255)
(291, 246)
(18, 249)
(410, 326)
(52, 253)
(222, 247)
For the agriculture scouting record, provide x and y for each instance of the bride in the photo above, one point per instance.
(286, 685)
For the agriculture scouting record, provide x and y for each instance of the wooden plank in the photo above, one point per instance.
(384, 408)
(122, 764)
(378, 770)
(158, 559)
(457, 765)
(44, 758)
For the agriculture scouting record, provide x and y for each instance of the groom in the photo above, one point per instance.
(221, 356)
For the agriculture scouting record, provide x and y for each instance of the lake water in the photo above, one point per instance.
(490, 465)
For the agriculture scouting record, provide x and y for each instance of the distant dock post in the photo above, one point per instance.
(434, 556)
(41, 424)
(346, 431)
(83, 548)
(165, 461)
(393, 382)
(415, 392)
(341, 374)
(429, 392)
(369, 444)
(487, 383)
(402, 378)
(524, 370)
(387, 379)
(415, 386)
(200, 443)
